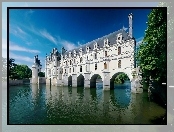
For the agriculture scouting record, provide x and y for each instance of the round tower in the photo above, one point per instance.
(35, 71)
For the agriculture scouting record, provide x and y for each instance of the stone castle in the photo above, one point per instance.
(106, 57)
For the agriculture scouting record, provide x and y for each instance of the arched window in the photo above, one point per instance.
(119, 50)
(81, 60)
(106, 54)
(105, 65)
(65, 70)
(69, 70)
(95, 66)
(74, 61)
(119, 64)
(95, 55)
(80, 68)
(70, 62)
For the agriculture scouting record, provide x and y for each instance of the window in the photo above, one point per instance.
(95, 55)
(65, 70)
(86, 68)
(70, 62)
(119, 64)
(87, 57)
(105, 65)
(87, 49)
(80, 68)
(95, 66)
(73, 69)
(81, 60)
(106, 54)
(69, 70)
(74, 61)
(119, 50)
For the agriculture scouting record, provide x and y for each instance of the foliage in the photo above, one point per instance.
(152, 56)
(121, 78)
(12, 65)
(41, 74)
(99, 77)
(18, 71)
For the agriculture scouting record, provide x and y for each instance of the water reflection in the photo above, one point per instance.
(40, 104)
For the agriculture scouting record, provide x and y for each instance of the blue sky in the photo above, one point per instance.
(37, 31)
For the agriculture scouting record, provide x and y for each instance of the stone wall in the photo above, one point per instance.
(41, 80)
(15, 82)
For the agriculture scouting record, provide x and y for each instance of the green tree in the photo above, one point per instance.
(151, 56)
(99, 77)
(121, 78)
(41, 74)
(22, 71)
(12, 66)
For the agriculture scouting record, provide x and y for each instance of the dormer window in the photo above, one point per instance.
(65, 56)
(69, 54)
(95, 45)
(105, 42)
(74, 53)
(119, 37)
(87, 49)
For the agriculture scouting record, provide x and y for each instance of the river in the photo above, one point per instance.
(41, 104)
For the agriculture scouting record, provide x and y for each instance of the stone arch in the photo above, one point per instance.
(93, 80)
(113, 78)
(70, 80)
(80, 81)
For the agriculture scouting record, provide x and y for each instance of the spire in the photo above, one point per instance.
(130, 25)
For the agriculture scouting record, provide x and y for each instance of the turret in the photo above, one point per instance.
(36, 68)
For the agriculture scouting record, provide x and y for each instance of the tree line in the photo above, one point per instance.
(17, 71)
(152, 53)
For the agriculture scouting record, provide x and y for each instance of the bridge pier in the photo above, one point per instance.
(59, 82)
(65, 79)
(87, 80)
(106, 80)
(74, 80)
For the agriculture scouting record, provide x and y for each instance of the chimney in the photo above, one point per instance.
(130, 25)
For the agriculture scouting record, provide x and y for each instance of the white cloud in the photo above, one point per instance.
(139, 41)
(18, 32)
(48, 36)
(68, 45)
(15, 47)
(20, 58)
(21, 31)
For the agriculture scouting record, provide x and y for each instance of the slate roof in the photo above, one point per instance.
(100, 41)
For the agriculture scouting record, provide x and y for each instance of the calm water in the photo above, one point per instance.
(33, 104)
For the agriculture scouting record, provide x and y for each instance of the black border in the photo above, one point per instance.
(8, 8)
